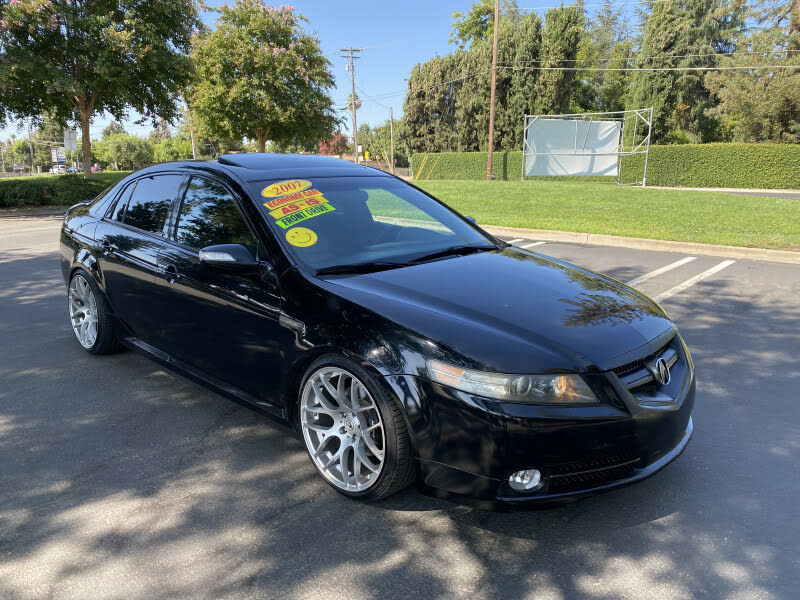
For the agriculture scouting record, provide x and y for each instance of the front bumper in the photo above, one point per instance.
(468, 446)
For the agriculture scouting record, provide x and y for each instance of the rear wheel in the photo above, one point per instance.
(355, 435)
(89, 316)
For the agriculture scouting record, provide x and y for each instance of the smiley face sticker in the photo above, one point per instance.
(301, 237)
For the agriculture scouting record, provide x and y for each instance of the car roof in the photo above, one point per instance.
(264, 166)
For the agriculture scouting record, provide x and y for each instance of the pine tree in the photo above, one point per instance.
(687, 33)
(563, 31)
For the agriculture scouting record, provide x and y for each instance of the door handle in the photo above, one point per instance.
(107, 246)
(171, 273)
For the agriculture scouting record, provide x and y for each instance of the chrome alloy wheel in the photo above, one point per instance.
(342, 429)
(83, 311)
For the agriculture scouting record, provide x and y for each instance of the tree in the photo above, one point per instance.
(160, 132)
(123, 150)
(683, 34)
(335, 146)
(77, 57)
(112, 128)
(474, 25)
(762, 104)
(178, 147)
(563, 31)
(259, 75)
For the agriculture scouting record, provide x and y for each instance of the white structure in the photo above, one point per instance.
(585, 144)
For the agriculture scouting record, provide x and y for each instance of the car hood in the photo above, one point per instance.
(521, 296)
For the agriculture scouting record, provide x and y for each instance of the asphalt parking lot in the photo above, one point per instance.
(121, 480)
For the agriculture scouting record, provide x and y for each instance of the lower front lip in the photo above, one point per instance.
(469, 447)
(637, 474)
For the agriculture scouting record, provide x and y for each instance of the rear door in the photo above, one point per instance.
(130, 238)
(224, 324)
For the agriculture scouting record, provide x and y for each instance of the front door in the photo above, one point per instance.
(221, 323)
(130, 238)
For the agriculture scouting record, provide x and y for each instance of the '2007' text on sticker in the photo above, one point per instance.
(282, 188)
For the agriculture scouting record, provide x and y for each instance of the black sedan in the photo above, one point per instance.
(401, 340)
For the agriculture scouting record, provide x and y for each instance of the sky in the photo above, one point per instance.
(395, 35)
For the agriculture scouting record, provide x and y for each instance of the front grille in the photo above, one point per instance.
(639, 363)
(638, 378)
(600, 470)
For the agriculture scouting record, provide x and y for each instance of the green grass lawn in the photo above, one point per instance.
(706, 217)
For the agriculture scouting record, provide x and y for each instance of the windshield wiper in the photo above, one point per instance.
(454, 251)
(365, 267)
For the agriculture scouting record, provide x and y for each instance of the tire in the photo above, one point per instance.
(85, 304)
(369, 426)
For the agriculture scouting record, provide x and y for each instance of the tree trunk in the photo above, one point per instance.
(261, 136)
(85, 105)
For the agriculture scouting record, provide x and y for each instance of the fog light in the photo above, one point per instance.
(526, 480)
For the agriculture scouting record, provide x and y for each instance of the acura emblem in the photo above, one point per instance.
(660, 371)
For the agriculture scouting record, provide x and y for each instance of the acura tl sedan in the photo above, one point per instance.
(403, 342)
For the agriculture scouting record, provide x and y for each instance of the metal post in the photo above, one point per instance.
(391, 140)
(647, 152)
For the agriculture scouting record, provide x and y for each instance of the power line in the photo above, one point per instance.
(723, 68)
(659, 57)
(594, 5)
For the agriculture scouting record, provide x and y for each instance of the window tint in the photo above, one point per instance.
(209, 216)
(148, 207)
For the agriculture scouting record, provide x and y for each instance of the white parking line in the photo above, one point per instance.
(515, 240)
(12, 231)
(533, 244)
(690, 282)
(652, 274)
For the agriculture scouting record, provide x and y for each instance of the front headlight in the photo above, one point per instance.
(528, 389)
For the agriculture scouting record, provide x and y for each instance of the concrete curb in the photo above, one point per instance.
(33, 211)
(781, 256)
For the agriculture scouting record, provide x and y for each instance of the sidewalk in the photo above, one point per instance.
(793, 194)
(596, 239)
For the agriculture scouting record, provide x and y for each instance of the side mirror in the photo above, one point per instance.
(472, 220)
(229, 257)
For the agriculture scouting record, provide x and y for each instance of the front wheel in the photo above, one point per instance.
(355, 435)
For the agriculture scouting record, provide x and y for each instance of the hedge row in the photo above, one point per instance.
(54, 189)
(775, 166)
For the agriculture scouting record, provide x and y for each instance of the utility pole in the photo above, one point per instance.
(350, 53)
(494, 82)
(391, 140)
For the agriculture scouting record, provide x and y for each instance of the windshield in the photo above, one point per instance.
(331, 221)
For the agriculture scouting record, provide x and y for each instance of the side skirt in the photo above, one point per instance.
(207, 381)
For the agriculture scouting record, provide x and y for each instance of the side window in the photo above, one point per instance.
(149, 204)
(119, 208)
(209, 216)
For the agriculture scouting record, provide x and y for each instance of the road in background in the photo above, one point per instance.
(121, 480)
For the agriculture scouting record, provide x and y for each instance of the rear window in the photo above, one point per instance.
(149, 204)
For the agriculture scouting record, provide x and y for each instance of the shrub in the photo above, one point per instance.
(687, 165)
(54, 189)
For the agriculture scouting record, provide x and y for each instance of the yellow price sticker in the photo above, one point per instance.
(290, 186)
